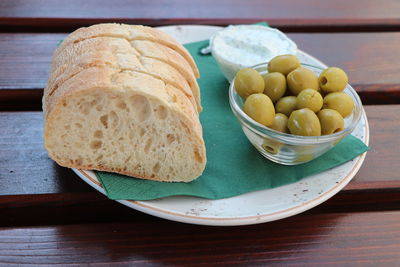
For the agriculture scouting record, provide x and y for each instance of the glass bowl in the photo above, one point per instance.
(285, 148)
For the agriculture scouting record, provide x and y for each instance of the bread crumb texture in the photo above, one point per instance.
(125, 99)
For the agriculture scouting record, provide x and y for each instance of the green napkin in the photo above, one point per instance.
(234, 166)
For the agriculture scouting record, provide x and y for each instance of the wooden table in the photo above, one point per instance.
(49, 216)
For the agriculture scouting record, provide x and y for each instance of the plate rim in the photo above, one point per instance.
(234, 221)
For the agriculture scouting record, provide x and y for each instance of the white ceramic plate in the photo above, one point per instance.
(255, 207)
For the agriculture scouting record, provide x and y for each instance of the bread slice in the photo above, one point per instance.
(151, 55)
(168, 55)
(123, 61)
(126, 122)
(130, 33)
(111, 44)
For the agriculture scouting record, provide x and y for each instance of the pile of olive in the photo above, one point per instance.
(291, 98)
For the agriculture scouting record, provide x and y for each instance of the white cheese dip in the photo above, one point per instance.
(241, 46)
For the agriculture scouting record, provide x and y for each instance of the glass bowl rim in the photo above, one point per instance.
(290, 138)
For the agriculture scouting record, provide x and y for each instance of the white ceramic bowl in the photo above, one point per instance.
(241, 46)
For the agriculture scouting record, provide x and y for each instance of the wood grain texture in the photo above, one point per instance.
(303, 15)
(24, 65)
(25, 61)
(339, 239)
(25, 167)
(384, 123)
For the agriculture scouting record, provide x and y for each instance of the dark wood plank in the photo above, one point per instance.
(25, 167)
(31, 183)
(25, 61)
(338, 239)
(24, 65)
(384, 149)
(303, 15)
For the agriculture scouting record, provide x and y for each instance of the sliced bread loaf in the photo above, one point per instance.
(126, 122)
(130, 33)
(153, 58)
(123, 61)
(124, 99)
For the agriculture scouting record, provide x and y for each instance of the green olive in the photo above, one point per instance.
(259, 107)
(300, 79)
(333, 79)
(304, 157)
(331, 121)
(286, 105)
(283, 64)
(309, 98)
(304, 122)
(248, 81)
(340, 102)
(280, 123)
(275, 85)
(271, 146)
